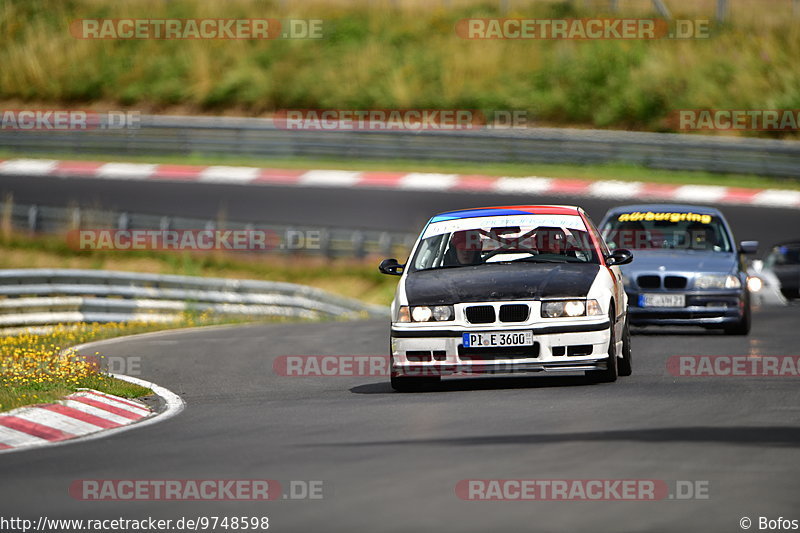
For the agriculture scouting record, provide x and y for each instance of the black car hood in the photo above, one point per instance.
(511, 281)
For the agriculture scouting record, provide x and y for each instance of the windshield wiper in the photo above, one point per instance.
(545, 260)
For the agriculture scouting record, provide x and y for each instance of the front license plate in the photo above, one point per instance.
(662, 300)
(495, 339)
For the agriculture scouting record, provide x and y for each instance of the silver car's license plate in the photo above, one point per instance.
(662, 300)
(497, 339)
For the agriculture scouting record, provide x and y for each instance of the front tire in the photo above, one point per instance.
(742, 327)
(609, 375)
(624, 365)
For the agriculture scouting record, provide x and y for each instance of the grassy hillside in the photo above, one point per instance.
(377, 56)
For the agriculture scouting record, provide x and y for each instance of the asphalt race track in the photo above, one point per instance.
(390, 461)
(404, 211)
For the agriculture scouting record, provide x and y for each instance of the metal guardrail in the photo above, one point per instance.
(246, 137)
(327, 241)
(34, 297)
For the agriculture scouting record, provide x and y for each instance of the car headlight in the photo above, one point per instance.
(570, 308)
(717, 282)
(754, 283)
(443, 313)
(424, 313)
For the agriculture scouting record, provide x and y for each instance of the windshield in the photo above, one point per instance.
(653, 230)
(499, 240)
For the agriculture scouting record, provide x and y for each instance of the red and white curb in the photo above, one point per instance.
(84, 415)
(408, 181)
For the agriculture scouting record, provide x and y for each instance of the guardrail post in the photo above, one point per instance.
(123, 221)
(662, 9)
(358, 244)
(33, 218)
(385, 244)
(325, 243)
(722, 10)
(75, 223)
(287, 242)
(7, 217)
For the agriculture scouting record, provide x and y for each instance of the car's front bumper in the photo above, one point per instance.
(420, 351)
(703, 308)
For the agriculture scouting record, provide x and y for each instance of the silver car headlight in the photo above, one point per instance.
(713, 281)
(570, 308)
(424, 313)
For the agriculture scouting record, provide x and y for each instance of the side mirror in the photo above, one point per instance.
(620, 256)
(391, 266)
(748, 247)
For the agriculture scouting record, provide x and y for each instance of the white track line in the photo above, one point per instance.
(699, 193)
(125, 171)
(222, 174)
(329, 178)
(616, 189)
(778, 198)
(531, 185)
(28, 167)
(418, 181)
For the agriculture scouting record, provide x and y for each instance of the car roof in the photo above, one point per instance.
(508, 210)
(699, 209)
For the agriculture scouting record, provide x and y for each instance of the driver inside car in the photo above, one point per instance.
(702, 237)
(551, 241)
(464, 249)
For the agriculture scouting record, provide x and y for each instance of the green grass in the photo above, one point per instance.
(374, 56)
(40, 368)
(610, 171)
